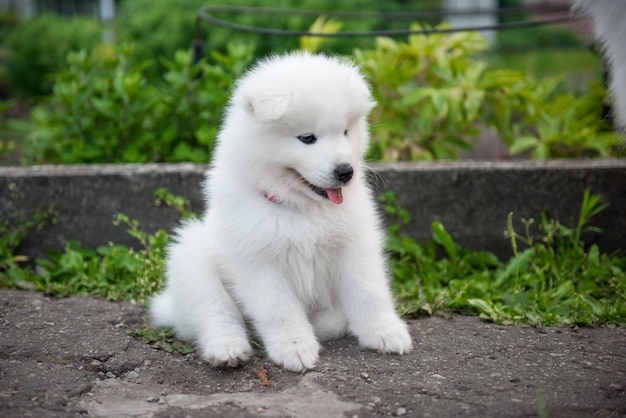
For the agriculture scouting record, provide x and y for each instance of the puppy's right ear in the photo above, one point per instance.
(267, 108)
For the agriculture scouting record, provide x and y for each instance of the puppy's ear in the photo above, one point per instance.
(267, 108)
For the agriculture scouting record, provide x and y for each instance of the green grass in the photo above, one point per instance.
(551, 279)
(113, 271)
(555, 280)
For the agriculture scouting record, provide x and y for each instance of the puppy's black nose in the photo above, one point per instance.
(343, 173)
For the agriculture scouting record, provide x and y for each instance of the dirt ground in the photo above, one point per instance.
(72, 357)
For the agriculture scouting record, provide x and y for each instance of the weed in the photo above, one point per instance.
(555, 281)
(163, 339)
(113, 271)
(14, 272)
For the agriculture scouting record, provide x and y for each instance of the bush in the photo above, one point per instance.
(103, 108)
(533, 116)
(434, 94)
(37, 48)
(428, 94)
(157, 29)
(160, 28)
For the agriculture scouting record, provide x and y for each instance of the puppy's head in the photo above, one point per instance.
(304, 119)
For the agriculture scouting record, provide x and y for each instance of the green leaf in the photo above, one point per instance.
(594, 304)
(522, 144)
(515, 265)
(442, 237)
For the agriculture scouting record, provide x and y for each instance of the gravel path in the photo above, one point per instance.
(72, 357)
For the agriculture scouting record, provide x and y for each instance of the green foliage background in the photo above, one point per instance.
(436, 96)
(105, 109)
(33, 50)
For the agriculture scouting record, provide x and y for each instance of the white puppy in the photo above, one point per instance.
(291, 241)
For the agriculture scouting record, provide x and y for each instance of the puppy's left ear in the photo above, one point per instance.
(267, 108)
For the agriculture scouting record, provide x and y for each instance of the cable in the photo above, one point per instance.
(206, 14)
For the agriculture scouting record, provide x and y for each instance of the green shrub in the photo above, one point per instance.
(428, 94)
(157, 29)
(535, 116)
(37, 49)
(436, 96)
(160, 28)
(103, 108)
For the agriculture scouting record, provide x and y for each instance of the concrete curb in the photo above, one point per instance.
(472, 199)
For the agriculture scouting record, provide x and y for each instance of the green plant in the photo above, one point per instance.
(113, 271)
(14, 270)
(533, 116)
(312, 44)
(428, 94)
(37, 49)
(163, 339)
(436, 95)
(555, 281)
(103, 108)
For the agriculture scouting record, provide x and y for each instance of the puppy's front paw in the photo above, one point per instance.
(226, 351)
(296, 354)
(390, 336)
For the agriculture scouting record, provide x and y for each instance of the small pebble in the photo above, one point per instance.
(401, 412)
(132, 375)
(110, 375)
(365, 375)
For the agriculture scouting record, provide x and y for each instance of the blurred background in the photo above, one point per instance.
(38, 38)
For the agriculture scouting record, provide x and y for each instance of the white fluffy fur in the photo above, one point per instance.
(300, 269)
(609, 23)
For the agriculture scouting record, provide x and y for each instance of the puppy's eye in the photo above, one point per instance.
(345, 133)
(307, 139)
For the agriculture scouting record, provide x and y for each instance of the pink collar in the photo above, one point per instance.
(272, 197)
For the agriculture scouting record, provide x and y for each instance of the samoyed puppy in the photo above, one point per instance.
(291, 243)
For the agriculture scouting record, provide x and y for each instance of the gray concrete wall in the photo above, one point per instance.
(471, 199)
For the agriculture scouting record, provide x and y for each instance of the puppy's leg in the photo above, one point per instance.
(368, 303)
(197, 305)
(279, 318)
(329, 323)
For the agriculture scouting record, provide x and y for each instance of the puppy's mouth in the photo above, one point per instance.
(332, 194)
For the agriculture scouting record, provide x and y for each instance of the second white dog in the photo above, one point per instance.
(291, 241)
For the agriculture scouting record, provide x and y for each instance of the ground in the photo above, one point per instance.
(72, 357)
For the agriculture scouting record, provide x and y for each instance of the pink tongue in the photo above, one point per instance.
(334, 195)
